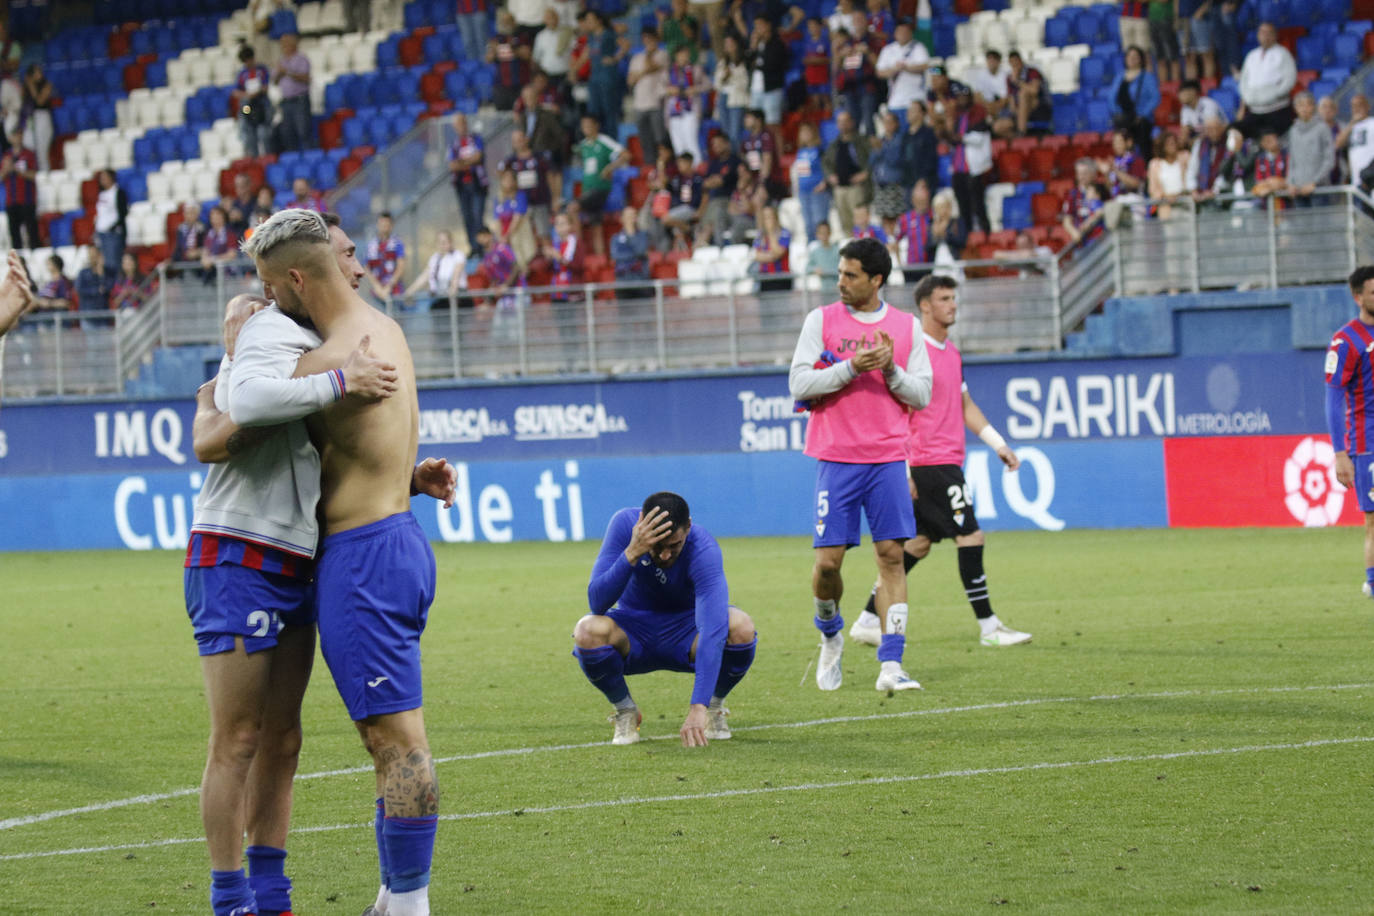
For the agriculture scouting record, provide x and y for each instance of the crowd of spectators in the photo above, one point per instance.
(706, 87)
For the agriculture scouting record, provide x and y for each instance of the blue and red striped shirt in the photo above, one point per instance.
(21, 191)
(915, 228)
(1348, 366)
(781, 265)
(218, 550)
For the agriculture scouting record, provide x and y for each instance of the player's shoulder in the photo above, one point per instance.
(272, 325)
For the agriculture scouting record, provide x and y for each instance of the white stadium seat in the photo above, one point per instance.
(225, 71)
(308, 18)
(206, 184)
(1063, 75)
(211, 144)
(706, 254)
(333, 17)
(1075, 52)
(77, 160)
(184, 189)
(363, 57)
(159, 186)
(1030, 34)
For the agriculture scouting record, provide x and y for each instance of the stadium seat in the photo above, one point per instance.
(1011, 166)
(1040, 164)
(1346, 50)
(1312, 52)
(1044, 209)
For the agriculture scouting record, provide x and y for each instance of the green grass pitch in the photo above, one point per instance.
(1191, 730)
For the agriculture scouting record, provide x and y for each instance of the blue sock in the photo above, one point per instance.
(892, 647)
(409, 845)
(381, 844)
(230, 894)
(830, 626)
(734, 664)
(605, 668)
(1369, 574)
(267, 877)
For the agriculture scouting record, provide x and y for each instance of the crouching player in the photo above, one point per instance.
(659, 602)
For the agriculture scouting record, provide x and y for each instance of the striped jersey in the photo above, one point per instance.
(1349, 367)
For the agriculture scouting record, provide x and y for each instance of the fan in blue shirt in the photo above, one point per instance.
(659, 602)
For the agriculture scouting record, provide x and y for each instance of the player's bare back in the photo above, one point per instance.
(367, 451)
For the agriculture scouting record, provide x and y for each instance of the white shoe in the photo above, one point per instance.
(626, 725)
(892, 681)
(868, 634)
(828, 673)
(1004, 636)
(1368, 593)
(717, 729)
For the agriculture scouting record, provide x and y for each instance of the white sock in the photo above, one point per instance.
(410, 903)
(868, 619)
(715, 703)
(891, 667)
(383, 899)
(826, 607)
(988, 624)
(627, 703)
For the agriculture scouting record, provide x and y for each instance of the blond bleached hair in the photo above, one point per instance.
(286, 227)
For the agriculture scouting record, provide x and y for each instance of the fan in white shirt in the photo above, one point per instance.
(444, 274)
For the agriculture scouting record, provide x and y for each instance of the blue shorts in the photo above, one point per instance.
(373, 589)
(1364, 481)
(880, 490)
(229, 601)
(658, 641)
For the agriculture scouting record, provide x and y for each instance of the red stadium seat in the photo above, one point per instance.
(1065, 157)
(133, 77)
(1004, 239)
(976, 238)
(1060, 187)
(638, 191)
(1025, 144)
(998, 147)
(411, 51)
(90, 190)
(1054, 141)
(226, 182)
(1059, 237)
(1011, 166)
(635, 149)
(1044, 209)
(83, 230)
(1288, 37)
(432, 86)
(331, 134)
(1368, 44)
(1040, 235)
(348, 166)
(1040, 164)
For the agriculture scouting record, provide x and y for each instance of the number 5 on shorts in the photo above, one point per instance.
(822, 503)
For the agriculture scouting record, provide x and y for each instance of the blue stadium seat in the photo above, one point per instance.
(435, 48)
(1325, 29)
(167, 146)
(1227, 98)
(378, 132)
(385, 90)
(388, 53)
(1346, 50)
(1359, 27)
(467, 105)
(1321, 87)
(324, 174)
(1016, 212)
(415, 15)
(1312, 52)
(1087, 28)
(334, 96)
(358, 91)
(1028, 188)
(945, 41)
(828, 132)
(1058, 32)
(155, 74)
(1337, 74)
(442, 12)
(400, 123)
(188, 144)
(291, 160)
(1066, 116)
(136, 185)
(944, 170)
(355, 132)
(1272, 11)
(1097, 115)
(279, 175)
(1334, 10)
(1092, 72)
(144, 153)
(455, 85)
(453, 43)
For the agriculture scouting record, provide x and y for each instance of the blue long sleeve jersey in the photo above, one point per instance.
(696, 582)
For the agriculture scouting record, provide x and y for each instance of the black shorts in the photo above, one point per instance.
(943, 504)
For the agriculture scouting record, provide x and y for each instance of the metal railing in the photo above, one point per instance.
(723, 319)
(1240, 241)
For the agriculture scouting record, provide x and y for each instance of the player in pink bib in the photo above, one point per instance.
(935, 451)
(859, 367)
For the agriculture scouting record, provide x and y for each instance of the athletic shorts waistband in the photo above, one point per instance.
(372, 529)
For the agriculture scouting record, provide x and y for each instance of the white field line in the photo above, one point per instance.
(762, 790)
(25, 820)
